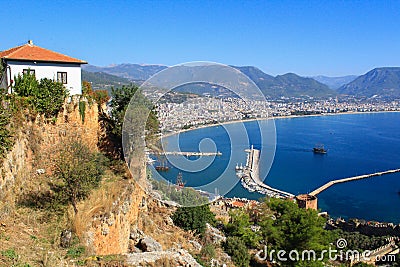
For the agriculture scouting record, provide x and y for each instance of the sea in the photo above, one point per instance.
(357, 144)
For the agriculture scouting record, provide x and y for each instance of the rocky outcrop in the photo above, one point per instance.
(173, 257)
(109, 233)
(215, 235)
(36, 141)
(148, 244)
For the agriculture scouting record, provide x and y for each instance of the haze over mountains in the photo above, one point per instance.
(380, 82)
(334, 82)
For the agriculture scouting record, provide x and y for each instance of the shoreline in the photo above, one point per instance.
(288, 117)
(273, 118)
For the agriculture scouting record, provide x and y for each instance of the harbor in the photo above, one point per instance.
(250, 177)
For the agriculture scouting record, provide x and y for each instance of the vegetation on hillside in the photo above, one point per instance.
(276, 225)
(102, 80)
(185, 196)
(45, 96)
(79, 171)
(193, 218)
(6, 140)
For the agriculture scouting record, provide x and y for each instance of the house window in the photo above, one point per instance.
(28, 71)
(62, 77)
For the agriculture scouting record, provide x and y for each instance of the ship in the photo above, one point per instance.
(179, 181)
(163, 167)
(319, 149)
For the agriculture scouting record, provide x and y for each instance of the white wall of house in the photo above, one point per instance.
(49, 70)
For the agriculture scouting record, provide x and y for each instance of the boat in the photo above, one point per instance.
(237, 167)
(179, 181)
(162, 168)
(319, 149)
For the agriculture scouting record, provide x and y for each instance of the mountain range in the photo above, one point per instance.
(379, 82)
(382, 82)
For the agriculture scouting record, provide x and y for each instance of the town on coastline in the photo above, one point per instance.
(205, 110)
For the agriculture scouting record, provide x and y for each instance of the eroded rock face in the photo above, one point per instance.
(111, 233)
(148, 244)
(36, 140)
(135, 235)
(216, 235)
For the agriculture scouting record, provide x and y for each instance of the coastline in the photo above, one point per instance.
(300, 116)
(273, 118)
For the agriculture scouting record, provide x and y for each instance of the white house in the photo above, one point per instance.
(43, 63)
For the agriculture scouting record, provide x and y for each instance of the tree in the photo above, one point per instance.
(292, 228)
(193, 218)
(237, 249)
(79, 171)
(240, 225)
(120, 99)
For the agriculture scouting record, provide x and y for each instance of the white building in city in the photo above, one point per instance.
(43, 63)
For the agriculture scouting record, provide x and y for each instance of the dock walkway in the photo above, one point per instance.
(344, 180)
(251, 177)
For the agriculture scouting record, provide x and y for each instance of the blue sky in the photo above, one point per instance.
(331, 38)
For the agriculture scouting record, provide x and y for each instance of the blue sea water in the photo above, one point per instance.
(357, 144)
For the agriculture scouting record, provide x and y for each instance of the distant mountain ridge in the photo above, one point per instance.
(287, 85)
(335, 82)
(102, 80)
(379, 82)
(129, 71)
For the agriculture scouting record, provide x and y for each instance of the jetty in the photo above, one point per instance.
(344, 180)
(188, 154)
(251, 179)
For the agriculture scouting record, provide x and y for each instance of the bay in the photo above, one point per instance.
(357, 144)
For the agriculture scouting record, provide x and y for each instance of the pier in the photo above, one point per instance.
(188, 154)
(344, 180)
(251, 178)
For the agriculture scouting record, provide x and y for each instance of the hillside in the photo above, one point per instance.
(287, 85)
(128, 71)
(335, 82)
(379, 82)
(102, 80)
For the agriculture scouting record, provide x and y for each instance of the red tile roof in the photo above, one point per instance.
(30, 52)
(238, 204)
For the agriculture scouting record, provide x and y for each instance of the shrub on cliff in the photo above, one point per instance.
(193, 218)
(237, 249)
(120, 99)
(6, 141)
(45, 97)
(79, 171)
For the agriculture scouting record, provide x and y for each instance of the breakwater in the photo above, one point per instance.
(251, 179)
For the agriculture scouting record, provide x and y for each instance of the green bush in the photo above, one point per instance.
(46, 97)
(193, 218)
(6, 140)
(76, 252)
(240, 225)
(79, 171)
(10, 254)
(237, 249)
